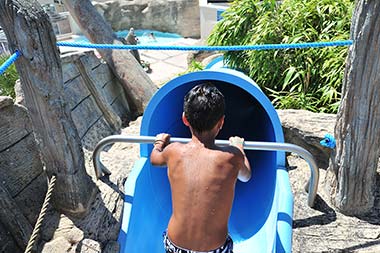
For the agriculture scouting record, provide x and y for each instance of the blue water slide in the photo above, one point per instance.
(261, 218)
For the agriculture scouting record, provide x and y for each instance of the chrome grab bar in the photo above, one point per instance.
(249, 145)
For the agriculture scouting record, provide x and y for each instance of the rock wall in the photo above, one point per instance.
(175, 16)
(97, 104)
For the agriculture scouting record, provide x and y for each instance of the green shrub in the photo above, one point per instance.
(293, 78)
(8, 79)
(192, 67)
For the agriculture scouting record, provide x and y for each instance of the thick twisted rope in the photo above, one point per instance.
(41, 216)
(9, 62)
(209, 48)
(338, 43)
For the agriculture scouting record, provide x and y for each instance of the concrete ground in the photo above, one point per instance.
(165, 64)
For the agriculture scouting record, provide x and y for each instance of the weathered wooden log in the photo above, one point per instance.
(354, 163)
(29, 30)
(138, 86)
(13, 220)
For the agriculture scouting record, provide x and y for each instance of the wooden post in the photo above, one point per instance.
(29, 30)
(138, 86)
(352, 171)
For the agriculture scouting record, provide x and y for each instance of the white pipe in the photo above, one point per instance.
(249, 145)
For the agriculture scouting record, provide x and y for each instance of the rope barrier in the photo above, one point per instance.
(41, 216)
(338, 43)
(209, 48)
(9, 62)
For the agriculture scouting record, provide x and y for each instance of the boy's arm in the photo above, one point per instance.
(158, 156)
(245, 168)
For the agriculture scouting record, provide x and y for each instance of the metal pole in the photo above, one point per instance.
(249, 145)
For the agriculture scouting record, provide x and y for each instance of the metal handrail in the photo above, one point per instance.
(249, 145)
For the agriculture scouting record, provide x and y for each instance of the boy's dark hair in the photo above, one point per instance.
(203, 107)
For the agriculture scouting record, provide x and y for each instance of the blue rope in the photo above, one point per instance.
(9, 62)
(210, 48)
(328, 141)
(17, 54)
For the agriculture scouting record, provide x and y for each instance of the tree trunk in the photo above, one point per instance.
(29, 30)
(352, 170)
(138, 86)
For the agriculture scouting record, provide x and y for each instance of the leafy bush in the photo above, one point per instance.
(192, 67)
(293, 78)
(8, 79)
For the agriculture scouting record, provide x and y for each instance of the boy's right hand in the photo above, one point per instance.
(158, 156)
(162, 140)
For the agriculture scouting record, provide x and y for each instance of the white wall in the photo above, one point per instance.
(46, 1)
(209, 16)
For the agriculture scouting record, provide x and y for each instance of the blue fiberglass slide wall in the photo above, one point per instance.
(258, 205)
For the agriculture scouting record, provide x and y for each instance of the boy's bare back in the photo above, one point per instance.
(202, 182)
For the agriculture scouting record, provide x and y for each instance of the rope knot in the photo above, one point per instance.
(328, 141)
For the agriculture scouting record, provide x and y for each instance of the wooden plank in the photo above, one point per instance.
(69, 69)
(20, 164)
(98, 131)
(31, 198)
(91, 60)
(85, 115)
(14, 125)
(75, 92)
(69, 72)
(111, 91)
(119, 107)
(99, 74)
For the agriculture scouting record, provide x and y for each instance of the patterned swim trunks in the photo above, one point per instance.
(170, 247)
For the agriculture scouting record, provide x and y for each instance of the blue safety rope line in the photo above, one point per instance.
(17, 54)
(328, 141)
(9, 62)
(209, 48)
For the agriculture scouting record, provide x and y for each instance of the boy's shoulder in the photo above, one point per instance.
(175, 146)
(232, 152)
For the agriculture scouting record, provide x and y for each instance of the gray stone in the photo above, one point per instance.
(176, 16)
(112, 247)
(307, 129)
(5, 101)
(58, 245)
(20, 97)
(89, 246)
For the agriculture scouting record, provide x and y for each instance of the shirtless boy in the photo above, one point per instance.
(202, 176)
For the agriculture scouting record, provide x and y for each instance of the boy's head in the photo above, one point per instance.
(203, 107)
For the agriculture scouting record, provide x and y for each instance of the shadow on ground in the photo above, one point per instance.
(328, 216)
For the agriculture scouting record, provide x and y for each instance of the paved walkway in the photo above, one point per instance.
(167, 64)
